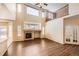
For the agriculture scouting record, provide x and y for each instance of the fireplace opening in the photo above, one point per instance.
(28, 35)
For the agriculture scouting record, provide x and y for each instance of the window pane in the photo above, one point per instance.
(50, 15)
(43, 14)
(3, 32)
(32, 11)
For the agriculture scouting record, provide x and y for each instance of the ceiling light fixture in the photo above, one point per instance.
(41, 5)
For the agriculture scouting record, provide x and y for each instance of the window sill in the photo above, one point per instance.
(2, 40)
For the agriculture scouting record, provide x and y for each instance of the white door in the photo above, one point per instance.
(78, 33)
(74, 34)
(69, 34)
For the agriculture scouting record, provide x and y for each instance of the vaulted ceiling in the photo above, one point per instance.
(54, 6)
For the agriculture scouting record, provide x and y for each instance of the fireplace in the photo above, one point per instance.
(28, 35)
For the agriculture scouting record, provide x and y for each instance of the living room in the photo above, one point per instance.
(35, 28)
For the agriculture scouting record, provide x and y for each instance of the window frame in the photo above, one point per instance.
(4, 32)
(49, 15)
(43, 13)
(32, 9)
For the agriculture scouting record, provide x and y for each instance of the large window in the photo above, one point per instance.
(32, 11)
(3, 32)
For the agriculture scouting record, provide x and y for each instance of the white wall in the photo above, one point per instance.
(7, 11)
(10, 34)
(73, 8)
(54, 30)
(12, 9)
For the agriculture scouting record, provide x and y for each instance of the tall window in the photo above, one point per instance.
(50, 15)
(32, 11)
(3, 32)
(43, 14)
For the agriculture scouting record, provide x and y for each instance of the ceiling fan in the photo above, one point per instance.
(41, 5)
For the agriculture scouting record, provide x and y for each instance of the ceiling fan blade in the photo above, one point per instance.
(37, 3)
(45, 4)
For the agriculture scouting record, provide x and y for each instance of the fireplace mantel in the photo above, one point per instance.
(32, 30)
(35, 34)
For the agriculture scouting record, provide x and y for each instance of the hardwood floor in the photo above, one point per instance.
(41, 47)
